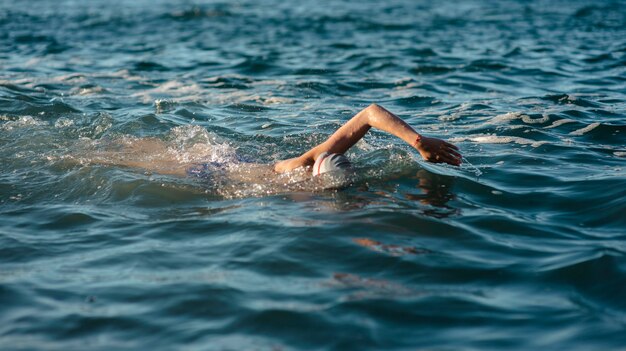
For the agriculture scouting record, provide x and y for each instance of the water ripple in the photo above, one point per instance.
(526, 238)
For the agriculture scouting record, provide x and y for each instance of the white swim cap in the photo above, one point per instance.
(330, 162)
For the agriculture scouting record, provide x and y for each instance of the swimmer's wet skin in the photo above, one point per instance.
(206, 170)
(374, 116)
(323, 158)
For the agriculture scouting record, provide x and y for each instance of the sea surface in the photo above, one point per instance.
(523, 247)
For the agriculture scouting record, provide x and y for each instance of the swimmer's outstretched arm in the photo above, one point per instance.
(375, 116)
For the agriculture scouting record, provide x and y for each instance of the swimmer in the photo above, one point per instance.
(374, 116)
(152, 154)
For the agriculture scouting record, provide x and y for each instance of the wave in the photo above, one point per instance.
(107, 231)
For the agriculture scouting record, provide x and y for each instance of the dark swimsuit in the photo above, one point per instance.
(206, 170)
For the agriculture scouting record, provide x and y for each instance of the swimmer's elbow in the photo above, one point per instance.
(374, 107)
(375, 111)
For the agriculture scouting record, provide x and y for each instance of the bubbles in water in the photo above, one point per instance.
(63, 122)
(22, 122)
(193, 143)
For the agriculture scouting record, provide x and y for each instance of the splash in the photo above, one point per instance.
(467, 164)
(21, 122)
(164, 105)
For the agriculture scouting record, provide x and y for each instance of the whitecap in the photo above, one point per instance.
(506, 117)
(588, 128)
(71, 78)
(559, 122)
(460, 112)
(530, 120)
(497, 139)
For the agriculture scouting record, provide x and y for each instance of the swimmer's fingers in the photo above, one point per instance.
(454, 151)
(443, 158)
(451, 160)
(452, 146)
(438, 151)
(448, 156)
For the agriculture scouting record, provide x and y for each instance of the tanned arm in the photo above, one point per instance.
(375, 116)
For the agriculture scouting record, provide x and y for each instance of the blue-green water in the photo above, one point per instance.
(521, 251)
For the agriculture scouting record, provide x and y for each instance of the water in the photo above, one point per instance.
(521, 248)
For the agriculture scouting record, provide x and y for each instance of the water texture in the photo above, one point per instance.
(522, 248)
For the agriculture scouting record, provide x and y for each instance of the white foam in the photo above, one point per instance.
(620, 153)
(277, 82)
(458, 113)
(569, 98)
(272, 100)
(63, 122)
(23, 121)
(163, 105)
(364, 145)
(588, 128)
(123, 73)
(176, 91)
(448, 118)
(193, 143)
(496, 139)
(88, 90)
(512, 116)
(559, 122)
(529, 120)
(504, 118)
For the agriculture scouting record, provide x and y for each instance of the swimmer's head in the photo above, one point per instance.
(331, 163)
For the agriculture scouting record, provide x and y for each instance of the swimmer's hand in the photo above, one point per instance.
(438, 151)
